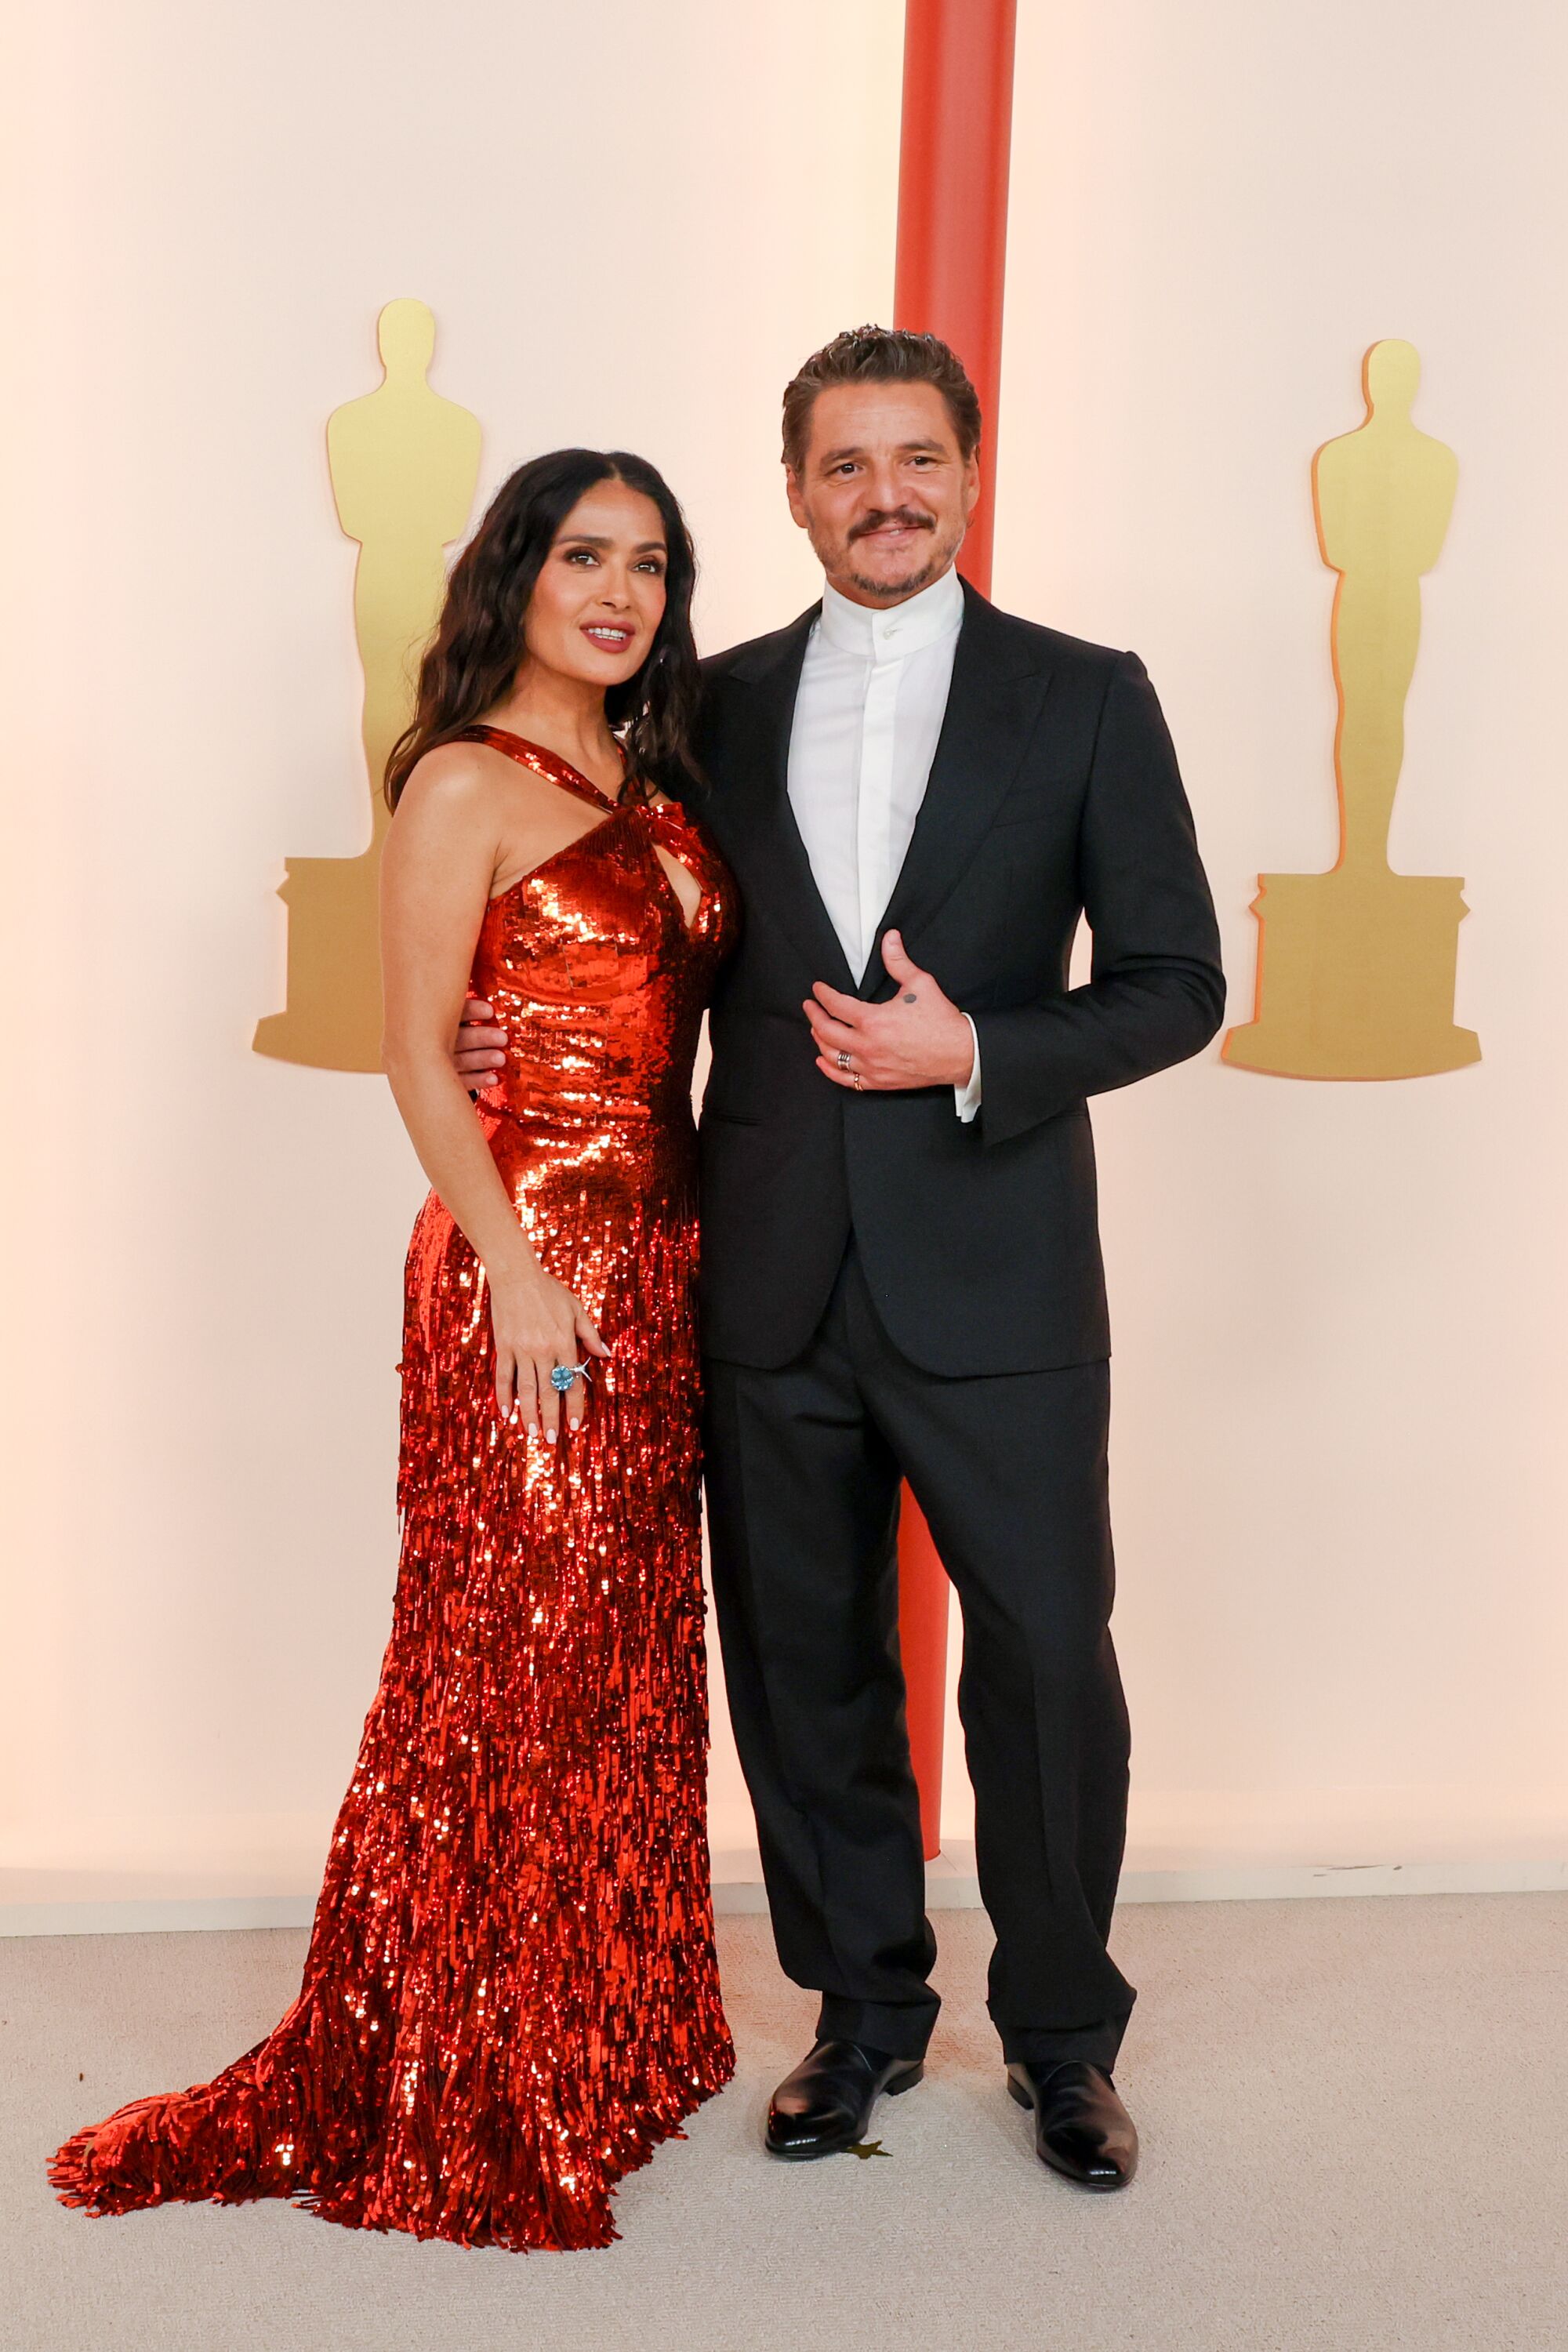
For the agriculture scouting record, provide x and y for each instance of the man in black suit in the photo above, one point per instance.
(919, 796)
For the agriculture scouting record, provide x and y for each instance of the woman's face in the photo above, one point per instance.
(599, 598)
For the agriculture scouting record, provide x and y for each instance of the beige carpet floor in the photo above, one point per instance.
(1355, 2117)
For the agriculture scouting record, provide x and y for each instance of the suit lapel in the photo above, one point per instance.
(770, 856)
(999, 684)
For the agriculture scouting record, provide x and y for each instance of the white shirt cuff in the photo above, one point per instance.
(966, 1099)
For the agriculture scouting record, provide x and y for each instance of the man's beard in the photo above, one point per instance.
(938, 556)
(910, 585)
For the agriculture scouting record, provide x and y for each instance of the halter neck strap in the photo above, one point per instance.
(548, 765)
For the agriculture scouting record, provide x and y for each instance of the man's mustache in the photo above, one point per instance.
(896, 518)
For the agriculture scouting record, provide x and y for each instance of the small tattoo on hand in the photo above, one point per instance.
(912, 998)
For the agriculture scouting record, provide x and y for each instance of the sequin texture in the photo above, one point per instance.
(511, 1995)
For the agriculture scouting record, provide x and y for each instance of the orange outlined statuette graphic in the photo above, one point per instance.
(404, 465)
(1356, 966)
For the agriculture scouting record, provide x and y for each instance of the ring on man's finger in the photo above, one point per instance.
(845, 1060)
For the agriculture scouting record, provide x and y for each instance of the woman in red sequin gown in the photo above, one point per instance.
(511, 1994)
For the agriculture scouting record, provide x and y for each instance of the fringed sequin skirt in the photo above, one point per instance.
(511, 1995)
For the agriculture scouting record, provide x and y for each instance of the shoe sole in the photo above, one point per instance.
(1096, 2188)
(894, 2090)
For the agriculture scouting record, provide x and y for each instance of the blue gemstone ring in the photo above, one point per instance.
(563, 1376)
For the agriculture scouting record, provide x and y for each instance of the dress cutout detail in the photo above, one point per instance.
(511, 1995)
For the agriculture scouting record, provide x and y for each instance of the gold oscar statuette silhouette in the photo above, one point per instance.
(404, 465)
(1356, 966)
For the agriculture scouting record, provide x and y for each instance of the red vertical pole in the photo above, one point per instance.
(952, 203)
(951, 266)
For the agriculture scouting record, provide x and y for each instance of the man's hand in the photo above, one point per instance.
(918, 1038)
(478, 1049)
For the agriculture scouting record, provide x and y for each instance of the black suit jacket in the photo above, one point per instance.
(1054, 792)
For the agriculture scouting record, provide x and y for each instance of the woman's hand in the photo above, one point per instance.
(538, 1323)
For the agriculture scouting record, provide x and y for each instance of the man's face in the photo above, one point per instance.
(882, 490)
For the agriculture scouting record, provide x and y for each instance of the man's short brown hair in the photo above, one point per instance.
(879, 355)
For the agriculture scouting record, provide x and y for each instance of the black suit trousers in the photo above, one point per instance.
(804, 1465)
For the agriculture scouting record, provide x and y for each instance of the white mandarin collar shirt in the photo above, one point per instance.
(872, 698)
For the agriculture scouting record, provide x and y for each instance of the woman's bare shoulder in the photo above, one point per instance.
(467, 784)
(452, 774)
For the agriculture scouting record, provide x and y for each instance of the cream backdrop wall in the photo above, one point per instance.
(631, 224)
(1339, 1310)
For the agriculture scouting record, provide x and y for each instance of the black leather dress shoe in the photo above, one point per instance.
(826, 2105)
(1081, 2128)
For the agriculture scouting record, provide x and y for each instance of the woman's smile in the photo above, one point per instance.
(614, 636)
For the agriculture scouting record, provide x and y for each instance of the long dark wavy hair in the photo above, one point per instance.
(473, 658)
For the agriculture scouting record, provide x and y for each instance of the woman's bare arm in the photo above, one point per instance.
(438, 867)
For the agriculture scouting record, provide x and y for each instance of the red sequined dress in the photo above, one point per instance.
(511, 1995)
